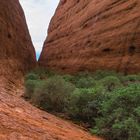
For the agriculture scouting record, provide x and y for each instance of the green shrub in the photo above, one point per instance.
(68, 78)
(31, 76)
(108, 102)
(85, 82)
(120, 114)
(83, 105)
(43, 73)
(29, 88)
(54, 95)
(100, 74)
(81, 75)
(130, 79)
(110, 83)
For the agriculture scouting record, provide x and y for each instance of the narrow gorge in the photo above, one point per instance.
(18, 119)
(84, 35)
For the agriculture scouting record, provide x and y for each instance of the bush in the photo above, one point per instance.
(81, 75)
(130, 79)
(100, 74)
(54, 95)
(83, 104)
(68, 78)
(31, 76)
(110, 83)
(120, 115)
(85, 82)
(108, 102)
(29, 88)
(78, 102)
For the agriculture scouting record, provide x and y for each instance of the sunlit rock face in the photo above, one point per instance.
(92, 35)
(17, 54)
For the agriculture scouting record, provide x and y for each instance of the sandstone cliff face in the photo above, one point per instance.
(17, 54)
(18, 119)
(92, 35)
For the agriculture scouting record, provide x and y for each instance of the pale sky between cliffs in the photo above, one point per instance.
(38, 15)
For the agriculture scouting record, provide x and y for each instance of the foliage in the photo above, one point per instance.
(85, 82)
(98, 75)
(54, 94)
(131, 78)
(107, 101)
(67, 77)
(120, 118)
(31, 76)
(31, 86)
(110, 83)
(83, 103)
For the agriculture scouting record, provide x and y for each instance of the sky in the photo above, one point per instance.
(38, 15)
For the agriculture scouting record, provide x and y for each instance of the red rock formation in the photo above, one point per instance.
(17, 54)
(92, 35)
(18, 119)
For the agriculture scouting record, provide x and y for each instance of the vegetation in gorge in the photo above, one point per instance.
(106, 102)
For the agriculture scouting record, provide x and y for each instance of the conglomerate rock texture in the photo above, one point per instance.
(18, 119)
(17, 54)
(92, 35)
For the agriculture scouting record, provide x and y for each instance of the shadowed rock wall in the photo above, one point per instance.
(17, 54)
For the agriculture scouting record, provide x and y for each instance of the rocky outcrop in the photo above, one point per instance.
(92, 35)
(18, 119)
(17, 54)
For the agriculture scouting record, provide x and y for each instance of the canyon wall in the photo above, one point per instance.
(17, 54)
(92, 35)
(19, 120)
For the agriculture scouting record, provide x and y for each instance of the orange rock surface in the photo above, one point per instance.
(94, 35)
(17, 54)
(18, 119)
